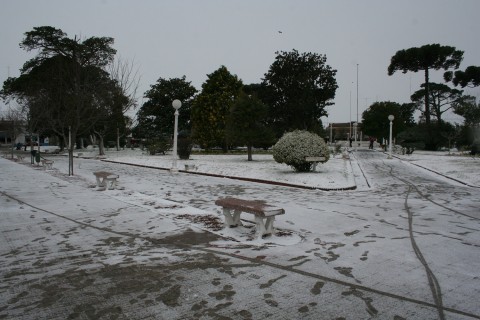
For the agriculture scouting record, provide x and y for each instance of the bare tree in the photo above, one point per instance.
(127, 78)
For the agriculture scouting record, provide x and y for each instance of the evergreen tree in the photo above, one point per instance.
(468, 78)
(211, 108)
(426, 58)
(298, 88)
(155, 117)
(246, 123)
(442, 98)
(375, 121)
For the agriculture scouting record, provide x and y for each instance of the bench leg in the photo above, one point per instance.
(111, 183)
(260, 227)
(100, 183)
(236, 218)
(228, 218)
(269, 225)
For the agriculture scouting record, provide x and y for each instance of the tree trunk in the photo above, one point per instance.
(249, 151)
(71, 138)
(118, 139)
(101, 146)
(70, 160)
(429, 145)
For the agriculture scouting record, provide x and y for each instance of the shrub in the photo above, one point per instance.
(184, 145)
(158, 145)
(294, 146)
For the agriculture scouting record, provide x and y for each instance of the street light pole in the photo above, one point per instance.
(390, 117)
(357, 92)
(331, 127)
(176, 104)
(355, 124)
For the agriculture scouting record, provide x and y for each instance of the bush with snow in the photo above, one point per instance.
(294, 146)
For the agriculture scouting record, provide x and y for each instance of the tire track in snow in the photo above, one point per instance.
(432, 280)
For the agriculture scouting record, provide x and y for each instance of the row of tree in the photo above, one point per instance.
(72, 87)
(293, 95)
(432, 99)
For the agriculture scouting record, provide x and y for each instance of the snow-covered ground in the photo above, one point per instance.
(403, 245)
(336, 173)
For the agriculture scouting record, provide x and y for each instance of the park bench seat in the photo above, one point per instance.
(47, 164)
(315, 161)
(264, 214)
(106, 179)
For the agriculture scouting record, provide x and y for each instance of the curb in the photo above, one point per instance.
(283, 184)
(436, 172)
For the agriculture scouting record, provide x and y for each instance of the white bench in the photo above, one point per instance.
(106, 179)
(315, 161)
(264, 213)
(189, 167)
(47, 164)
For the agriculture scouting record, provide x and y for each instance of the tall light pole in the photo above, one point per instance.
(390, 117)
(176, 104)
(355, 124)
(331, 125)
(357, 92)
(350, 123)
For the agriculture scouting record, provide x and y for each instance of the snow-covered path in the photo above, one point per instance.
(405, 248)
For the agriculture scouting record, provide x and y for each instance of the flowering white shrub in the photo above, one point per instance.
(294, 146)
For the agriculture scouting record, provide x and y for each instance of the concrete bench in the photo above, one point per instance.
(106, 179)
(47, 164)
(264, 214)
(315, 161)
(189, 167)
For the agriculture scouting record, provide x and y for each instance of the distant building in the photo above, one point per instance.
(11, 132)
(344, 130)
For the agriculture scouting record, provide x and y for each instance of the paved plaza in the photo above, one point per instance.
(404, 246)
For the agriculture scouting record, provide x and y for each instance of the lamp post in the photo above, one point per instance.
(390, 117)
(331, 127)
(176, 104)
(355, 124)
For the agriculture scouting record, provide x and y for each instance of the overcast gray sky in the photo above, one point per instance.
(172, 38)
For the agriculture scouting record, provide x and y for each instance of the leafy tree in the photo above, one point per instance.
(211, 108)
(442, 98)
(155, 117)
(62, 86)
(468, 78)
(469, 109)
(426, 58)
(298, 88)
(246, 123)
(375, 121)
(111, 116)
